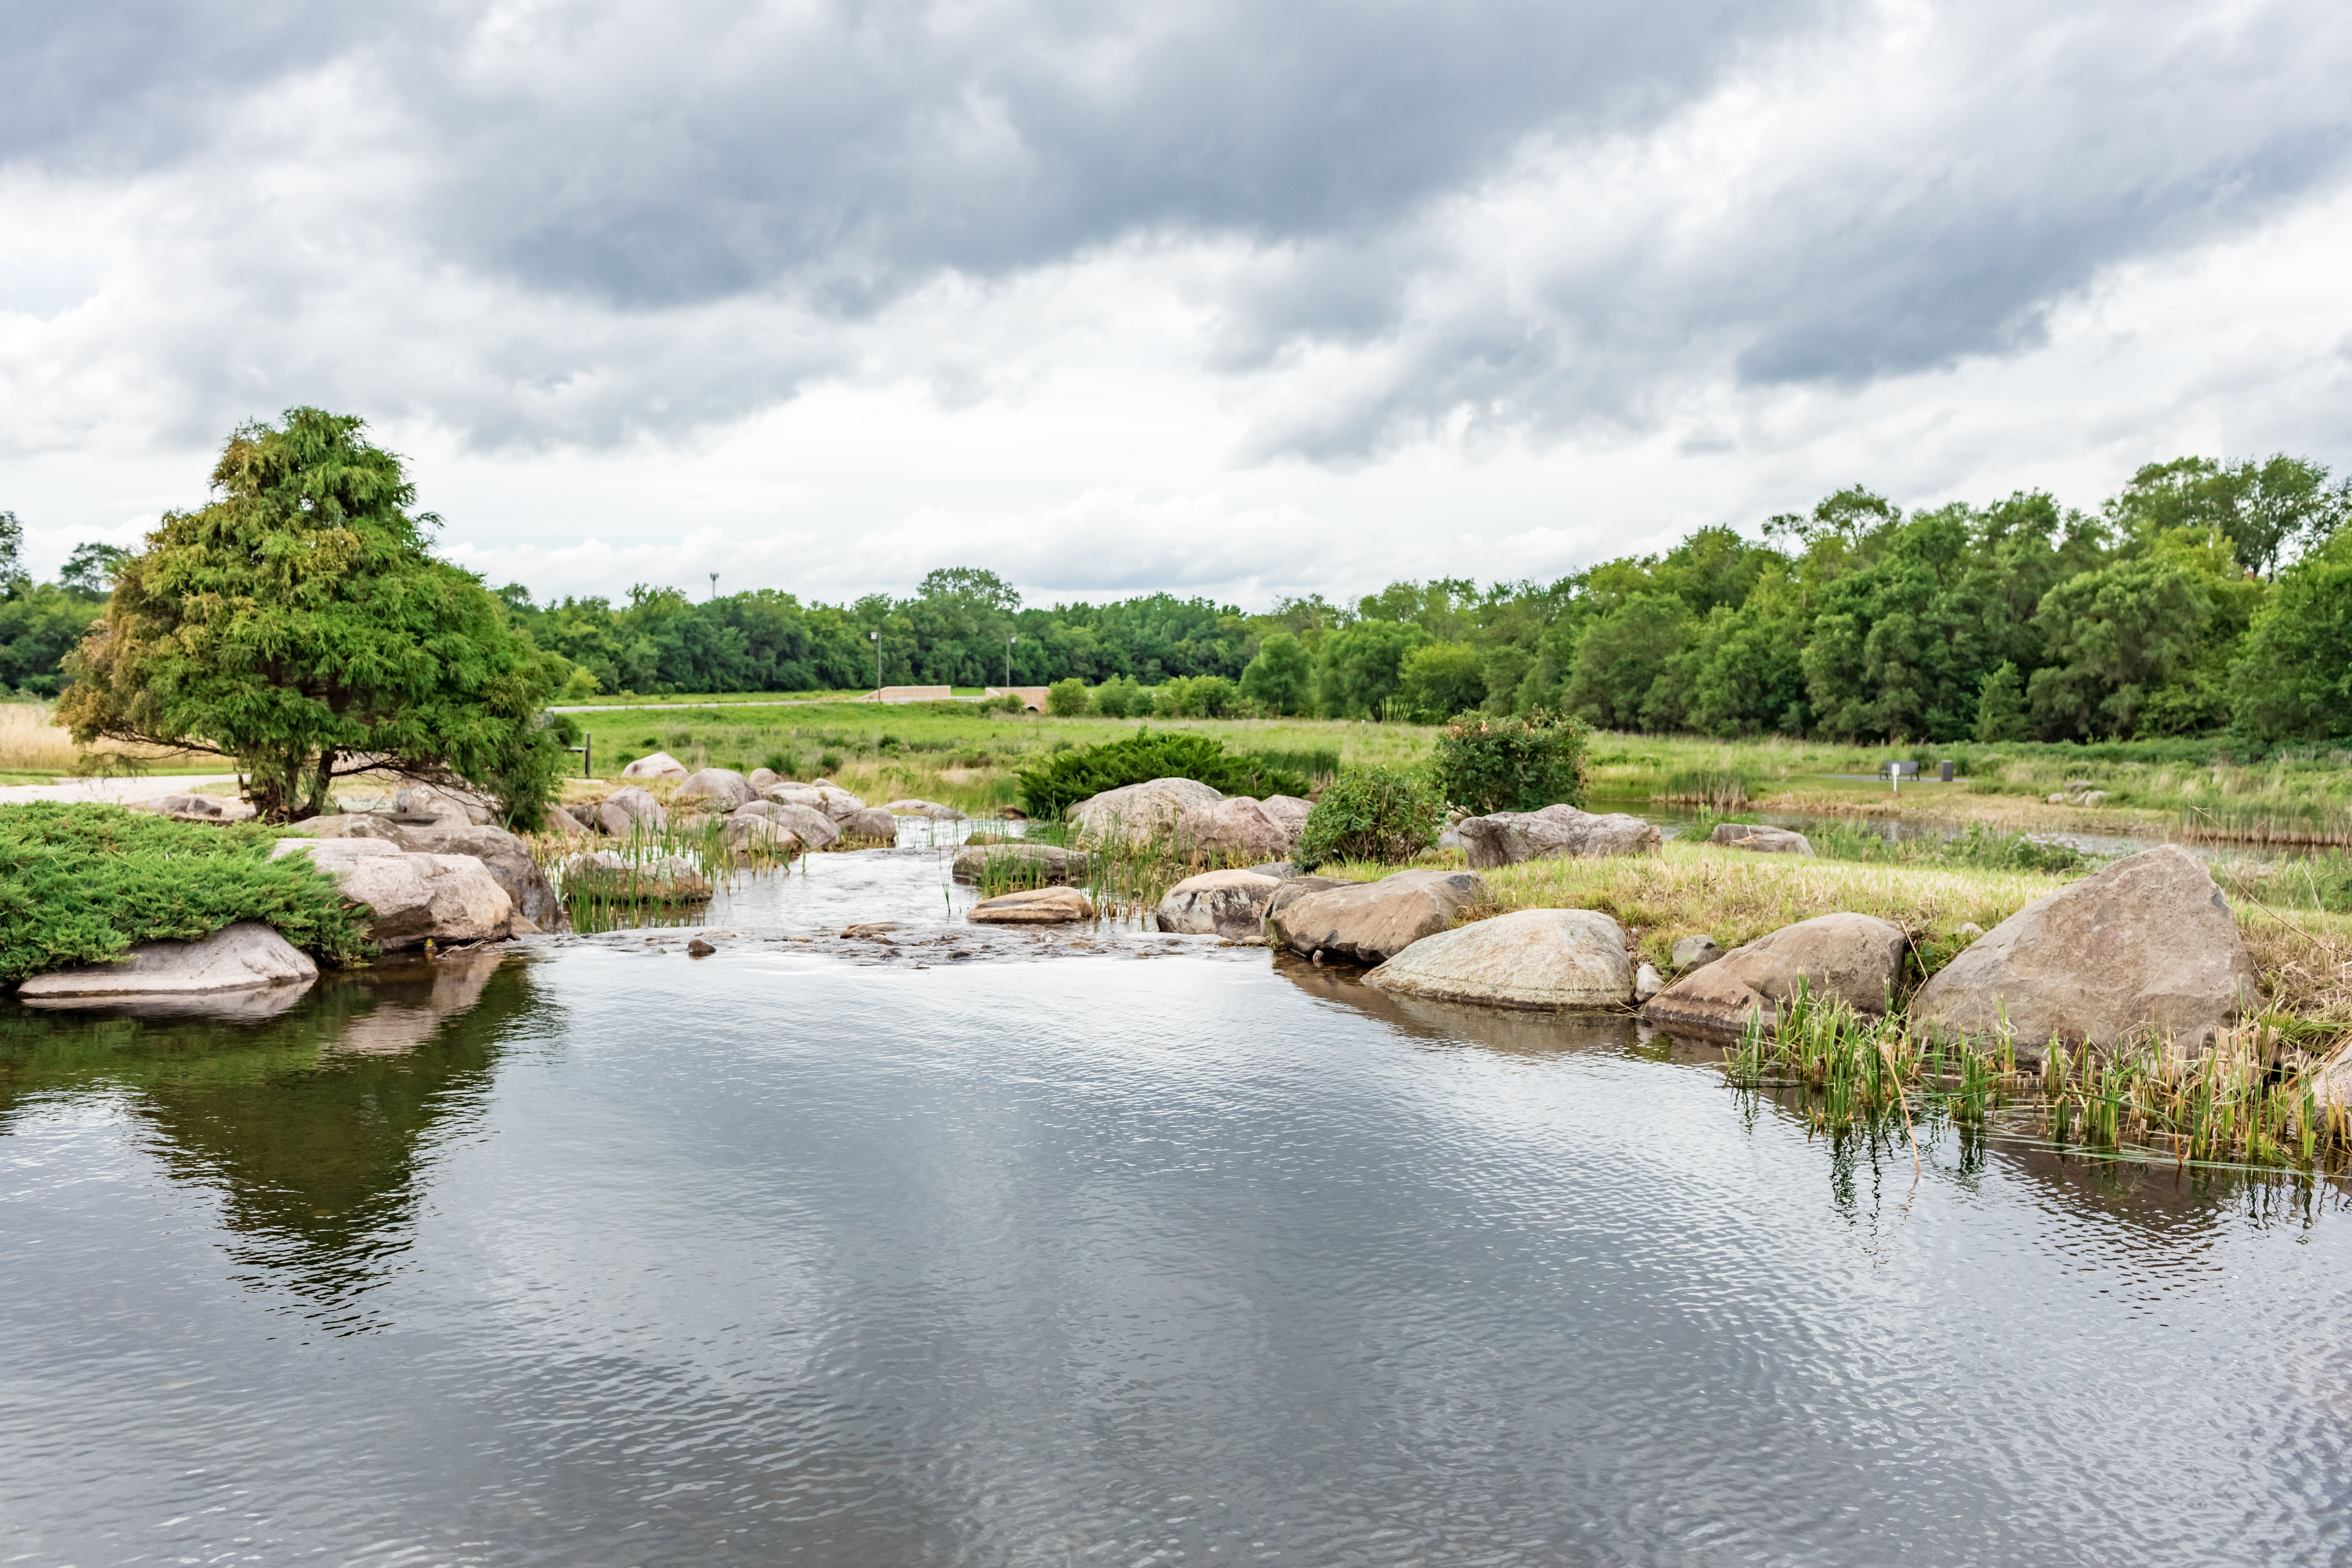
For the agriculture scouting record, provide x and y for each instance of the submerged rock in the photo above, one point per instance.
(660, 765)
(1850, 958)
(2146, 948)
(245, 956)
(1756, 836)
(1370, 923)
(1035, 906)
(1218, 903)
(1045, 862)
(1528, 958)
(1508, 837)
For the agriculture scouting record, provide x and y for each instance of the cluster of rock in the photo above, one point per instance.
(1557, 832)
(2079, 792)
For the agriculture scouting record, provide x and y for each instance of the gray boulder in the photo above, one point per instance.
(1218, 903)
(1647, 983)
(414, 898)
(813, 827)
(1047, 862)
(762, 777)
(1370, 923)
(1528, 958)
(631, 810)
(1508, 837)
(1695, 953)
(1293, 888)
(1756, 836)
(1234, 828)
(419, 806)
(722, 789)
(1138, 811)
(660, 765)
(191, 805)
(245, 956)
(508, 860)
(1849, 958)
(870, 824)
(2145, 949)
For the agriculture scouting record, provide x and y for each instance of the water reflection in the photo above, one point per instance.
(312, 1124)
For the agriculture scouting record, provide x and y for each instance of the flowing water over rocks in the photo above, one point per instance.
(852, 1251)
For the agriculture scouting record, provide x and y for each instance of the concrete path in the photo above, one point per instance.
(120, 790)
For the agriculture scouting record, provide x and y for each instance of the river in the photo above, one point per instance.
(1010, 1250)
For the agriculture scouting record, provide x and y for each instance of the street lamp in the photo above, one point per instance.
(1010, 639)
(875, 637)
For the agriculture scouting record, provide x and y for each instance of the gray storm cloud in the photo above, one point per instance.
(589, 223)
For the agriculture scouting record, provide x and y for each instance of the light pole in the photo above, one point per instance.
(875, 635)
(1010, 639)
(714, 586)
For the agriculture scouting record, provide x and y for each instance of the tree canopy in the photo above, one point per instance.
(301, 624)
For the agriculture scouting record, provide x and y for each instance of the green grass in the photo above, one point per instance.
(83, 883)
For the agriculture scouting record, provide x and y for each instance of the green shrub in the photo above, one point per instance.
(1197, 697)
(1371, 813)
(1066, 699)
(1119, 697)
(1067, 777)
(1521, 763)
(83, 883)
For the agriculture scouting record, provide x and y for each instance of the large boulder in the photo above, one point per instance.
(1218, 903)
(1528, 958)
(1290, 890)
(508, 858)
(1849, 958)
(1508, 837)
(1138, 811)
(722, 788)
(631, 811)
(871, 824)
(1034, 907)
(1370, 923)
(835, 802)
(414, 898)
(647, 878)
(660, 765)
(564, 824)
(1290, 811)
(237, 958)
(1758, 836)
(811, 826)
(762, 824)
(2145, 949)
(1236, 828)
(419, 806)
(1043, 862)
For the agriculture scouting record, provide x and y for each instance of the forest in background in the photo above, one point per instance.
(2204, 597)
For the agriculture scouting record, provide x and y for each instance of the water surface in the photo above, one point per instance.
(1147, 1252)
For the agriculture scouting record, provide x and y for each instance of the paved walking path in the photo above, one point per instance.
(120, 790)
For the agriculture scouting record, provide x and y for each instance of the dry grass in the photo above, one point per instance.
(31, 741)
(1736, 895)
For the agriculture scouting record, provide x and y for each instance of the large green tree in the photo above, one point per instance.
(2294, 680)
(300, 625)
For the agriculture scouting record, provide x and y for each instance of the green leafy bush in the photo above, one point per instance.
(1520, 763)
(1066, 699)
(83, 883)
(1067, 777)
(1371, 813)
(1119, 697)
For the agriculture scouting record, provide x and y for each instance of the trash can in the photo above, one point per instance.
(1944, 771)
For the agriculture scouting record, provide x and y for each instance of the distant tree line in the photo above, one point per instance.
(2205, 595)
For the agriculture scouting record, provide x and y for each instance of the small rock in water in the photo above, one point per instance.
(699, 948)
(1647, 983)
(1033, 906)
(868, 930)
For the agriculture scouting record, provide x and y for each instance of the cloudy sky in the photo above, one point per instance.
(1236, 299)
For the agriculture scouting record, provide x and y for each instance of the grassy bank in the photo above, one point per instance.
(2199, 790)
(938, 751)
(82, 884)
